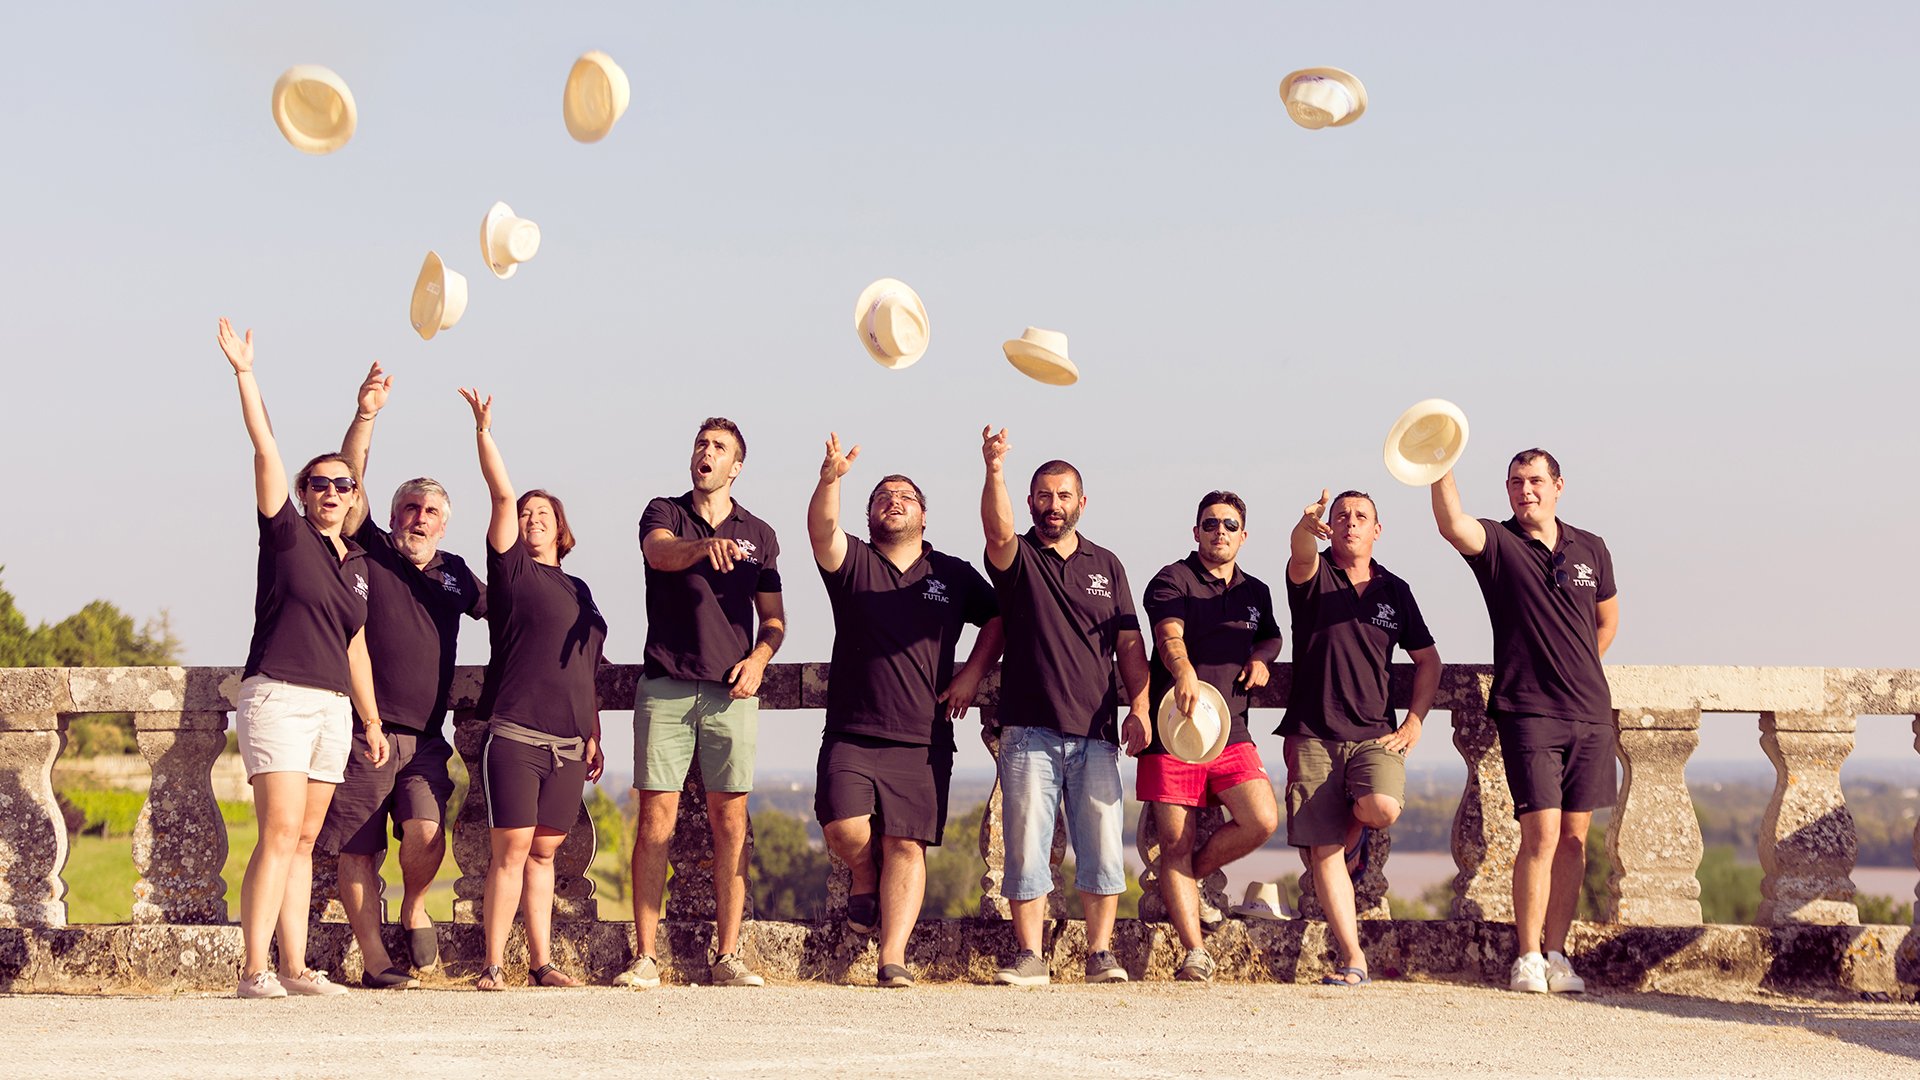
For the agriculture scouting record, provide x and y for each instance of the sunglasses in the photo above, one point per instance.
(319, 484)
(1558, 573)
(1223, 524)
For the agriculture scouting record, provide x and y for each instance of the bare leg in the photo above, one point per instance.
(280, 807)
(903, 885)
(505, 876)
(536, 903)
(851, 839)
(1569, 874)
(653, 831)
(727, 812)
(1376, 811)
(1029, 919)
(296, 905)
(423, 847)
(1335, 889)
(1533, 875)
(360, 894)
(1178, 889)
(1100, 912)
(1255, 818)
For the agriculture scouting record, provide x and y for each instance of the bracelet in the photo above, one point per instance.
(369, 419)
(481, 430)
(370, 724)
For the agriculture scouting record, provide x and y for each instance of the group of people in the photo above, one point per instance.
(341, 710)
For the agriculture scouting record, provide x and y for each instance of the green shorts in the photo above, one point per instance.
(675, 719)
(1326, 776)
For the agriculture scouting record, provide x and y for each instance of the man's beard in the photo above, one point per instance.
(709, 482)
(1070, 518)
(884, 533)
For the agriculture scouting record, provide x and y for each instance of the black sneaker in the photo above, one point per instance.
(394, 978)
(863, 912)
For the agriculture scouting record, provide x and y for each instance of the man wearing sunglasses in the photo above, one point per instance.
(1550, 595)
(416, 596)
(1213, 623)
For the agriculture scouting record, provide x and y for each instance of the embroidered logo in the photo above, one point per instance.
(1100, 585)
(1583, 575)
(449, 582)
(1383, 618)
(936, 591)
(1253, 617)
(360, 586)
(747, 548)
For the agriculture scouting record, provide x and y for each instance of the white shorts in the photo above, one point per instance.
(289, 728)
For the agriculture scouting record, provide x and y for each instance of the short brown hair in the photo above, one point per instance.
(300, 481)
(565, 543)
(1056, 467)
(1528, 457)
(1352, 494)
(721, 423)
(896, 478)
(1220, 498)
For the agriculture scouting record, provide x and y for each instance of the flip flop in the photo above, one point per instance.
(1339, 978)
(1357, 858)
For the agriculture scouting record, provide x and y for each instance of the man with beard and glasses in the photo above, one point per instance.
(416, 596)
(887, 756)
(711, 571)
(1068, 614)
(1550, 596)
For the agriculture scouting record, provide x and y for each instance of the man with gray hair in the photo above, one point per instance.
(416, 595)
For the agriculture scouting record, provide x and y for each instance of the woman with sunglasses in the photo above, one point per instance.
(542, 713)
(307, 659)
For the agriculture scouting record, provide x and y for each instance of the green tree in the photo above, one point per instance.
(788, 875)
(613, 829)
(954, 869)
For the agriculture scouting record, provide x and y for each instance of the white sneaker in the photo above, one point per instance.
(264, 984)
(312, 983)
(1560, 976)
(1529, 974)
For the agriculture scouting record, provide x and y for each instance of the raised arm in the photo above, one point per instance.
(269, 474)
(1460, 529)
(996, 509)
(359, 438)
(1304, 559)
(823, 511)
(503, 528)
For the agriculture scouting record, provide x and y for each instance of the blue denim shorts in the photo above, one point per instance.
(1039, 770)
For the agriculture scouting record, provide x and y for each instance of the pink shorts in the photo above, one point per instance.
(1164, 778)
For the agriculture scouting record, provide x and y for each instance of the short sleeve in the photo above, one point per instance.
(368, 534)
(1269, 627)
(1606, 591)
(840, 581)
(281, 531)
(1489, 557)
(506, 567)
(478, 608)
(1414, 634)
(1015, 570)
(659, 514)
(1165, 598)
(982, 604)
(1125, 617)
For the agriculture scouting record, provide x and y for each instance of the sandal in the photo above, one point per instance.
(1362, 852)
(491, 979)
(1339, 978)
(539, 976)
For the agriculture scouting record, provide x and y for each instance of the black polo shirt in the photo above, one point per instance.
(1343, 652)
(547, 638)
(894, 636)
(1546, 637)
(413, 625)
(1063, 619)
(1223, 621)
(307, 603)
(700, 621)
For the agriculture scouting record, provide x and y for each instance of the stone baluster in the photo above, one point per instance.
(993, 847)
(573, 887)
(1213, 888)
(471, 838)
(1807, 839)
(1916, 844)
(1653, 836)
(33, 833)
(1486, 837)
(690, 894)
(1369, 894)
(180, 841)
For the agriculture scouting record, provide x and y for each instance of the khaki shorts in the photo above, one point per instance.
(285, 727)
(676, 720)
(1324, 779)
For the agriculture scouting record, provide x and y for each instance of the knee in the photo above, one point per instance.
(1263, 822)
(1377, 811)
(540, 859)
(422, 833)
(1177, 851)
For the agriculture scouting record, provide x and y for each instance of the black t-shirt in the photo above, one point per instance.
(413, 625)
(1546, 638)
(1063, 619)
(700, 621)
(307, 603)
(1343, 652)
(894, 635)
(1222, 622)
(547, 639)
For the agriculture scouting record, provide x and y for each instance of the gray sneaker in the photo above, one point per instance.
(264, 984)
(1027, 969)
(730, 970)
(1197, 967)
(1103, 966)
(640, 974)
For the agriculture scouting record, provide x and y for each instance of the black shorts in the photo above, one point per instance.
(1557, 764)
(412, 785)
(904, 785)
(524, 788)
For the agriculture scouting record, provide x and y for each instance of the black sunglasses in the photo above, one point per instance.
(319, 484)
(1228, 524)
(1558, 574)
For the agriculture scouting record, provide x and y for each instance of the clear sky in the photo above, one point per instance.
(1671, 243)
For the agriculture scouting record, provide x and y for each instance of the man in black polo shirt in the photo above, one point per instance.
(1550, 595)
(1346, 757)
(416, 596)
(1068, 614)
(892, 698)
(712, 570)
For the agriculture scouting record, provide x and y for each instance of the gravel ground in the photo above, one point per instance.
(1137, 1030)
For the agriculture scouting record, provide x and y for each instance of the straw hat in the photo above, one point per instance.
(892, 323)
(1042, 354)
(507, 241)
(1323, 97)
(439, 298)
(1263, 902)
(596, 95)
(1199, 738)
(1425, 442)
(314, 109)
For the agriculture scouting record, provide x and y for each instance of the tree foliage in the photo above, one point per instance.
(788, 875)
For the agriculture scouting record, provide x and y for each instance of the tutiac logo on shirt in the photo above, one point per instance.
(449, 582)
(1383, 618)
(936, 591)
(360, 586)
(1583, 575)
(1099, 585)
(747, 549)
(1253, 617)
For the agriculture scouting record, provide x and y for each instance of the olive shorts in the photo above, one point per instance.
(1324, 779)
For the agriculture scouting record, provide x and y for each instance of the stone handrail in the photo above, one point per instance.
(1807, 844)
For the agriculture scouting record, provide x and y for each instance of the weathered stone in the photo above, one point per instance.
(1807, 840)
(993, 847)
(128, 689)
(33, 833)
(1653, 837)
(470, 838)
(1213, 890)
(1486, 836)
(180, 841)
(690, 893)
(1369, 894)
(572, 887)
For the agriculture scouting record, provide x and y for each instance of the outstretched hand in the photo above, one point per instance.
(837, 464)
(374, 390)
(239, 353)
(1312, 517)
(994, 447)
(482, 410)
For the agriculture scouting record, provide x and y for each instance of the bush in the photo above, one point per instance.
(1878, 910)
(109, 812)
(788, 875)
(954, 869)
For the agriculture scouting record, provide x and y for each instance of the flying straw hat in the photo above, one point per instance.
(596, 95)
(1425, 442)
(439, 298)
(1042, 354)
(892, 323)
(1323, 97)
(507, 241)
(314, 109)
(1199, 738)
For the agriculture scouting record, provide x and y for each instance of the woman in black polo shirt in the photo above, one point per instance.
(543, 719)
(308, 657)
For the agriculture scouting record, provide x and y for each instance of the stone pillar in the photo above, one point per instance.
(690, 889)
(470, 838)
(1486, 837)
(573, 899)
(33, 833)
(180, 841)
(1653, 837)
(1213, 889)
(993, 847)
(1916, 841)
(1807, 839)
(1369, 894)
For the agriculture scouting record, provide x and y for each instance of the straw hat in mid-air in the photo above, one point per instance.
(596, 95)
(1199, 738)
(507, 241)
(314, 109)
(892, 323)
(1042, 354)
(1323, 97)
(439, 298)
(1425, 442)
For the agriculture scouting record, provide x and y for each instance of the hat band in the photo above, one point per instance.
(873, 317)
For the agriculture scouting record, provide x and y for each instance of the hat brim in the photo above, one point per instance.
(578, 125)
(499, 211)
(301, 140)
(1346, 79)
(1163, 722)
(1423, 473)
(431, 311)
(1043, 365)
(860, 307)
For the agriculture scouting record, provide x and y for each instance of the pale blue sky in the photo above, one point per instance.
(1671, 243)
